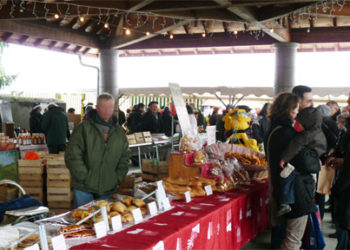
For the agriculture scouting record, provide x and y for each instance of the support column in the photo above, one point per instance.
(285, 67)
(108, 66)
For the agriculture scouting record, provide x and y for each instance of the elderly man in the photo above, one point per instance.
(151, 119)
(97, 154)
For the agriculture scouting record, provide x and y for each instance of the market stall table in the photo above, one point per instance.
(220, 221)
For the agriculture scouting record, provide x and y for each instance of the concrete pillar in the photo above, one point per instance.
(285, 67)
(108, 74)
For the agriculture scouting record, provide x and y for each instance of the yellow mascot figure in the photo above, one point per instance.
(237, 121)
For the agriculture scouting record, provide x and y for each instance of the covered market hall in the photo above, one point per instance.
(185, 167)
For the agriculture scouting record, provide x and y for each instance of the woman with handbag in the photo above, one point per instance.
(288, 230)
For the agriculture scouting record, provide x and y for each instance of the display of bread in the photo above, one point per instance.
(119, 207)
(122, 208)
(31, 240)
(138, 203)
(199, 158)
(128, 200)
(101, 203)
(247, 159)
(195, 185)
(77, 231)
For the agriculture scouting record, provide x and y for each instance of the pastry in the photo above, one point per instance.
(73, 228)
(144, 211)
(197, 192)
(177, 181)
(173, 188)
(119, 207)
(93, 209)
(179, 197)
(130, 208)
(102, 203)
(128, 201)
(81, 234)
(127, 218)
(31, 240)
(207, 181)
(195, 182)
(199, 158)
(113, 213)
(139, 203)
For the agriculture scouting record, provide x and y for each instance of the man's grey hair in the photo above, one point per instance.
(342, 117)
(104, 96)
(333, 104)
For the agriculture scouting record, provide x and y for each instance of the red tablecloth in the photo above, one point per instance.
(221, 221)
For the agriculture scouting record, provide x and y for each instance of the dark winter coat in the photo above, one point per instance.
(96, 165)
(341, 189)
(55, 126)
(151, 123)
(330, 130)
(34, 122)
(166, 122)
(312, 136)
(304, 183)
(134, 121)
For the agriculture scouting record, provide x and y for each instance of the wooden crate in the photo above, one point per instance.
(36, 192)
(155, 167)
(32, 178)
(58, 182)
(30, 167)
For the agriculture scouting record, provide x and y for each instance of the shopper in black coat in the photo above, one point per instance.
(34, 120)
(151, 120)
(282, 114)
(341, 193)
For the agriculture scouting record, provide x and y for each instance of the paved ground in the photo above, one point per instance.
(262, 241)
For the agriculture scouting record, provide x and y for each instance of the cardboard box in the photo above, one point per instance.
(155, 167)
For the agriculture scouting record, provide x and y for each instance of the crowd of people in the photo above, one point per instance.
(297, 137)
(300, 138)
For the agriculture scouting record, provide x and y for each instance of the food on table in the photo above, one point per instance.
(126, 218)
(31, 240)
(139, 203)
(247, 159)
(130, 208)
(102, 203)
(128, 200)
(144, 210)
(119, 207)
(199, 158)
(73, 228)
(81, 234)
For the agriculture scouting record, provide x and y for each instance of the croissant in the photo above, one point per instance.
(139, 203)
(128, 200)
(119, 207)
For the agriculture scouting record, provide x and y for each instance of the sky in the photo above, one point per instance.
(47, 71)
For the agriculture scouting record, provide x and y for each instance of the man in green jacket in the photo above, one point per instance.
(55, 125)
(97, 154)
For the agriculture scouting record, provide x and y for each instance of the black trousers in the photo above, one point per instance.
(55, 149)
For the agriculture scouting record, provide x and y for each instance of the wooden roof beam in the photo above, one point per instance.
(268, 14)
(123, 41)
(136, 7)
(47, 32)
(281, 35)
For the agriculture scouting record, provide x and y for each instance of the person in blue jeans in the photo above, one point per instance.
(97, 155)
(308, 124)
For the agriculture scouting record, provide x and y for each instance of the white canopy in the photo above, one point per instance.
(226, 91)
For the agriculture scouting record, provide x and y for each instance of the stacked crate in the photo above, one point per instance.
(59, 194)
(32, 178)
(154, 170)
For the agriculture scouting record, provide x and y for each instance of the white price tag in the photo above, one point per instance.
(152, 207)
(208, 190)
(59, 243)
(188, 196)
(116, 223)
(166, 204)
(100, 229)
(160, 187)
(34, 247)
(159, 246)
(136, 213)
